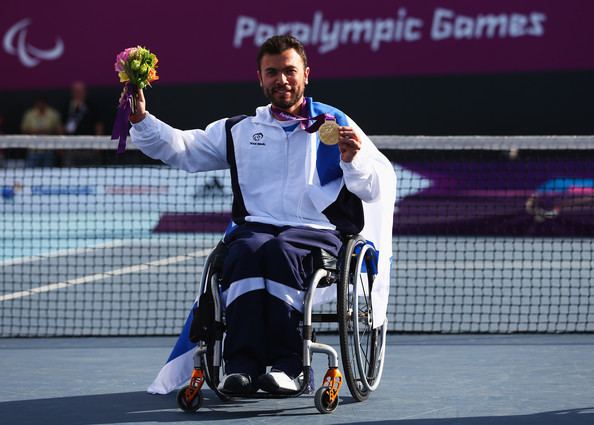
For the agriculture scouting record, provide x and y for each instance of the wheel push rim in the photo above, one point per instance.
(369, 365)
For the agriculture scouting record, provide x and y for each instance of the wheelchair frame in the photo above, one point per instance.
(362, 345)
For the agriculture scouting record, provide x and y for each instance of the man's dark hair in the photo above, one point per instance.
(277, 44)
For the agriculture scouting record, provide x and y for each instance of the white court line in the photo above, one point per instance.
(105, 275)
(61, 253)
(84, 250)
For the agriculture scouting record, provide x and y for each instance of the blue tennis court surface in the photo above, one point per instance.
(82, 257)
(431, 379)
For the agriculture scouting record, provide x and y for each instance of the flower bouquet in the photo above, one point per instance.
(136, 67)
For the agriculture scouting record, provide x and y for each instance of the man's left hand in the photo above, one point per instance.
(348, 143)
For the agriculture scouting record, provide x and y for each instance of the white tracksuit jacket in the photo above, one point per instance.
(277, 174)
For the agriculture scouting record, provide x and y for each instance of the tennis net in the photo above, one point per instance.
(491, 234)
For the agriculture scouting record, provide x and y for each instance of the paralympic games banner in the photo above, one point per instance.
(496, 196)
(50, 44)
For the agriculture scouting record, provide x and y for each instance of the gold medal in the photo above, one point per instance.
(329, 133)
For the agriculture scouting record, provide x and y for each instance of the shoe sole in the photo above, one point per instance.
(267, 384)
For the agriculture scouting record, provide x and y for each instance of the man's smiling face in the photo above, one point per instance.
(283, 78)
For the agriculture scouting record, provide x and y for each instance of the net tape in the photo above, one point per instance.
(382, 142)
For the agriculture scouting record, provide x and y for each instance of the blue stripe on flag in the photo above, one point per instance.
(183, 344)
(375, 261)
(328, 157)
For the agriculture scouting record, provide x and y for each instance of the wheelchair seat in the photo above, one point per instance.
(322, 259)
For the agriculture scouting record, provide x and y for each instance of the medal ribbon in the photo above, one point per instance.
(120, 126)
(318, 120)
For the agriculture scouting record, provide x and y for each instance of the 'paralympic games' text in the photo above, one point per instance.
(445, 24)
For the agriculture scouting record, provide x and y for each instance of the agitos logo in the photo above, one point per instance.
(15, 43)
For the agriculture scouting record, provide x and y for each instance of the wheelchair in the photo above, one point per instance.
(362, 343)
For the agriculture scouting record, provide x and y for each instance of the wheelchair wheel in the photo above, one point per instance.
(213, 374)
(322, 401)
(362, 346)
(188, 405)
(208, 285)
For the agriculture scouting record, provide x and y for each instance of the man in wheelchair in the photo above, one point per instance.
(301, 171)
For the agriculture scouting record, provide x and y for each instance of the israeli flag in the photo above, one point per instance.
(179, 365)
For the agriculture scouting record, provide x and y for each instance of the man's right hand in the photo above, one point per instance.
(140, 112)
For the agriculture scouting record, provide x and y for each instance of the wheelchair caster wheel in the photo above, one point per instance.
(324, 402)
(186, 404)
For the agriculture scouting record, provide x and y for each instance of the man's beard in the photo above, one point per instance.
(296, 96)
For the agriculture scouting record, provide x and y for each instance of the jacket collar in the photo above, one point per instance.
(263, 115)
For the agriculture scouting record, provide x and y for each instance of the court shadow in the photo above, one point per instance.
(584, 416)
(137, 407)
(141, 407)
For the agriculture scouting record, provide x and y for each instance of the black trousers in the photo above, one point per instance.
(264, 286)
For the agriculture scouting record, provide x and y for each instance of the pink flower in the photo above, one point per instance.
(122, 58)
